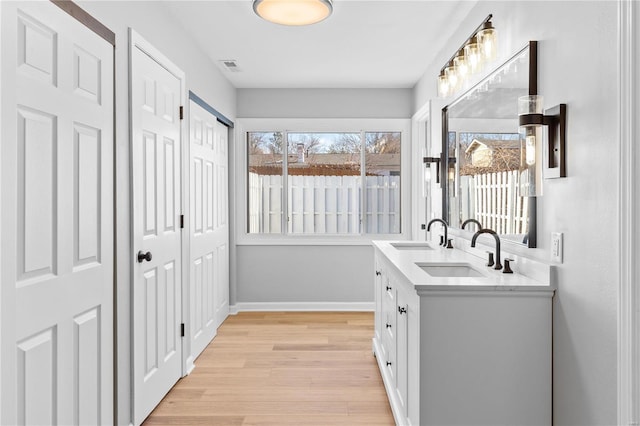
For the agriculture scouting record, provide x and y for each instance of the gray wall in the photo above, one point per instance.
(152, 21)
(324, 103)
(307, 274)
(577, 65)
(313, 274)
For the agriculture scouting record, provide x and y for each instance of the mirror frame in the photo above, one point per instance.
(445, 160)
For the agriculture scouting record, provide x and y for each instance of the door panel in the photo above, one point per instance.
(209, 232)
(56, 192)
(156, 156)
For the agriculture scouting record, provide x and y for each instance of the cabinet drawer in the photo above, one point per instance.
(389, 291)
(390, 356)
(388, 316)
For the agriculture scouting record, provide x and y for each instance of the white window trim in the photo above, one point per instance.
(244, 125)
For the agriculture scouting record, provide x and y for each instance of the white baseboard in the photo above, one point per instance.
(302, 306)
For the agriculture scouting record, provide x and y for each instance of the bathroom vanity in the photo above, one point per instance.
(458, 343)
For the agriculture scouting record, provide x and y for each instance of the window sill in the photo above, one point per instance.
(316, 240)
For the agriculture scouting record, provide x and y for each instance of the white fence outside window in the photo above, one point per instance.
(493, 198)
(324, 204)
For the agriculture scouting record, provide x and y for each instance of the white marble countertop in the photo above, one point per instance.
(405, 259)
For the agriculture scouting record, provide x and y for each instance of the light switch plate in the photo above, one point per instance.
(556, 247)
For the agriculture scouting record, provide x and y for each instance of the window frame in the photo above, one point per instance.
(296, 125)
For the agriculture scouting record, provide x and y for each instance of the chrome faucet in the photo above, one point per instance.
(471, 221)
(444, 226)
(492, 232)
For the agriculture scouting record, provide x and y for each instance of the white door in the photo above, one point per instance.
(221, 231)
(208, 227)
(156, 95)
(57, 219)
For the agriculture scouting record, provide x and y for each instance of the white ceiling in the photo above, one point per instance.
(364, 44)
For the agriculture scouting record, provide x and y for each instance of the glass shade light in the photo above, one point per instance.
(293, 12)
(443, 85)
(487, 40)
(452, 76)
(528, 185)
(531, 104)
(460, 61)
(472, 52)
(530, 116)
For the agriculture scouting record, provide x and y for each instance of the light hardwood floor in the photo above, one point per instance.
(283, 368)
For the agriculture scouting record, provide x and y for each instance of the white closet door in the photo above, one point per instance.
(57, 219)
(208, 227)
(222, 217)
(156, 95)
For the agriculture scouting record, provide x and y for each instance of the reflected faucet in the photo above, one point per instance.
(492, 232)
(444, 226)
(471, 221)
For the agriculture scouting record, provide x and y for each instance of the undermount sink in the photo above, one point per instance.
(411, 246)
(450, 270)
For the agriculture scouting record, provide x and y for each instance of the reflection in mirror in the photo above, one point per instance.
(483, 148)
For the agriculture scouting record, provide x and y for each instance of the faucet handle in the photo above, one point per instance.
(490, 261)
(441, 240)
(507, 267)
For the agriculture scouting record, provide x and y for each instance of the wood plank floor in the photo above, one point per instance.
(283, 368)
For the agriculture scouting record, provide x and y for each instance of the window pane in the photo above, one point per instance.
(324, 183)
(265, 182)
(382, 167)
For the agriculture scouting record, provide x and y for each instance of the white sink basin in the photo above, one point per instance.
(450, 270)
(411, 246)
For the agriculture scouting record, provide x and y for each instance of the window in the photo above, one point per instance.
(329, 183)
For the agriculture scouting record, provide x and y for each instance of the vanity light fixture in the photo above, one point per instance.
(293, 12)
(531, 116)
(479, 48)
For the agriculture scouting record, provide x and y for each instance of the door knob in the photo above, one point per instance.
(144, 256)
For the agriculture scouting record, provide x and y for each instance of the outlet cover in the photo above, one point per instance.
(556, 247)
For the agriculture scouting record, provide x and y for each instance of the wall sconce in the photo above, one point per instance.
(429, 160)
(531, 115)
(469, 59)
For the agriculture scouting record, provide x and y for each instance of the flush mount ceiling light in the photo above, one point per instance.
(293, 12)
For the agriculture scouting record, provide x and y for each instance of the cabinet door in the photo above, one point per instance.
(377, 291)
(389, 330)
(402, 331)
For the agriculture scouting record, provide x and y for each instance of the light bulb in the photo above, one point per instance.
(530, 150)
(452, 76)
(460, 61)
(487, 40)
(443, 85)
(472, 52)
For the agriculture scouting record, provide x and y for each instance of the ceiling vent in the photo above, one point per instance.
(230, 65)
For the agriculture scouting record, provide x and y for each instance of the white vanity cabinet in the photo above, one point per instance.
(460, 355)
(395, 341)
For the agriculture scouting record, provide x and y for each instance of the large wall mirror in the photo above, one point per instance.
(482, 153)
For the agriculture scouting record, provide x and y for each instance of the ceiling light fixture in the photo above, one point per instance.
(469, 59)
(293, 12)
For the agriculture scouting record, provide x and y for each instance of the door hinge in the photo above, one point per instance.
(181, 221)
(182, 330)
(181, 113)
